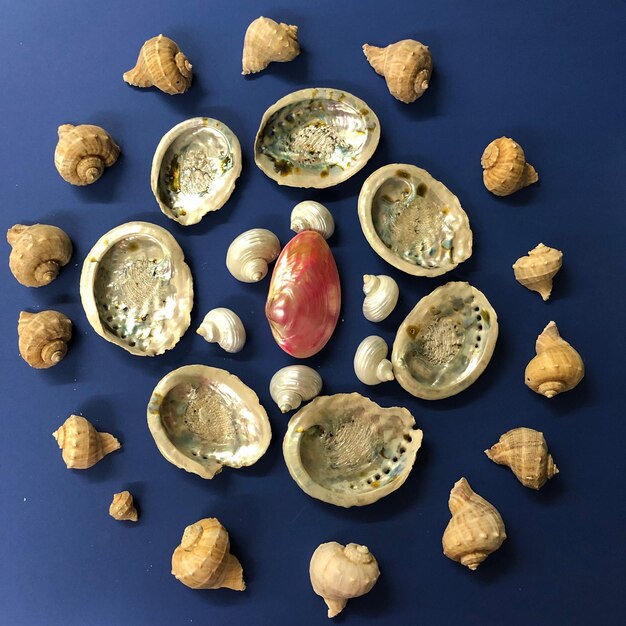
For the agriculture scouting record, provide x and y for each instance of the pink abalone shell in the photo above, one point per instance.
(304, 296)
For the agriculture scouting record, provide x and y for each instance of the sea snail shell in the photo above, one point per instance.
(123, 507)
(83, 152)
(43, 337)
(381, 296)
(505, 170)
(339, 573)
(161, 64)
(557, 366)
(537, 270)
(203, 559)
(310, 215)
(294, 384)
(250, 253)
(38, 253)
(371, 364)
(223, 326)
(267, 41)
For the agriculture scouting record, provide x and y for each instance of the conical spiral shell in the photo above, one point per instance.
(505, 170)
(223, 326)
(38, 253)
(475, 530)
(83, 152)
(339, 573)
(123, 507)
(161, 64)
(250, 253)
(371, 364)
(381, 296)
(525, 451)
(406, 66)
(267, 41)
(294, 384)
(557, 366)
(310, 215)
(43, 337)
(203, 559)
(537, 270)
(81, 444)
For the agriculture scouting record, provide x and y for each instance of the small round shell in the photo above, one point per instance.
(250, 253)
(43, 337)
(381, 296)
(371, 364)
(505, 170)
(267, 41)
(294, 384)
(223, 326)
(123, 507)
(310, 215)
(537, 270)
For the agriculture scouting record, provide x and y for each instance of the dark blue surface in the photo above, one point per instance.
(549, 74)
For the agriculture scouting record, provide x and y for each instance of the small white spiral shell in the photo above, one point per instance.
(370, 361)
(381, 296)
(310, 215)
(250, 254)
(223, 326)
(294, 384)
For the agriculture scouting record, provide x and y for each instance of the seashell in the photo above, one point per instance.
(316, 138)
(381, 296)
(83, 152)
(43, 337)
(475, 530)
(413, 221)
(123, 507)
(406, 66)
(537, 270)
(223, 326)
(161, 64)
(348, 451)
(267, 41)
(557, 366)
(194, 169)
(38, 253)
(525, 451)
(505, 170)
(339, 573)
(203, 559)
(446, 342)
(203, 417)
(304, 296)
(81, 444)
(250, 253)
(371, 364)
(310, 215)
(136, 288)
(293, 385)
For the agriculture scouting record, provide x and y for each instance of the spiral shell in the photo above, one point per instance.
(294, 384)
(83, 152)
(43, 337)
(371, 364)
(505, 170)
(38, 253)
(381, 296)
(223, 326)
(406, 66)
(267, 41)
(557, 366)
(250, 253)
(537, 270)
(161, 64)
(123, 507)
(310, 215)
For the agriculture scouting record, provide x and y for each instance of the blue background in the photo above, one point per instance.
(549, 74)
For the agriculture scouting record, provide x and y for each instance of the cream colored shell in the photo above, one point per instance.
(339, 573)
(381, 296)
(294, 384)
(267, 41)
(310, 215)
(123, 507)
(537, 270)
(505, 170)
(223, 326)
(371, 364)
(43, 337)
(250, 254)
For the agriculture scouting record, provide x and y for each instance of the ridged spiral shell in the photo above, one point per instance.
(267, 41)
(310, 215)
(537, 270)
(43, 337)
(250, 253)
(381, 296)
(123, 507)
(294, 384)
(371, 364)
(223, 326)
(505, 170)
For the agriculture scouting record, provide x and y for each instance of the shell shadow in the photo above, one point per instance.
(188, 103)
(495, 565)
(374, 604)
(295, 71)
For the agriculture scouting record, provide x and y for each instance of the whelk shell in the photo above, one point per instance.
(381, 296)
(267, 41)
(249, 255)
(371, 364)
(505, 170)
(123, 507)
(223, 326)
(43, 337)
(293, 385)
(537, 270)
(310, 215)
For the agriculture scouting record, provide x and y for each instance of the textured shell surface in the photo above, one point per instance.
(136, 288)
(224, 327)
(304, 296)
(123, 507)
(316, 137)
(249, 255)
(371, 364)
(267, 41)
(413, 221)
(537, 270)
(381, 296)
(294, 384)
(43, 337)
(505, 169)
(310, 215)
(348, 451)
(203, 417)
(446, 342)
(194, 169)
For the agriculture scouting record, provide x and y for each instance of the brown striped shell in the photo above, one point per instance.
(123, 507)
(43, 337)
(267, 41)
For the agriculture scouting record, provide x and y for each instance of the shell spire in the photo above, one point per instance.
(224, 327)
(267, 41)
(43, 337)
(294, 384)
(249, 255)
(536, 271)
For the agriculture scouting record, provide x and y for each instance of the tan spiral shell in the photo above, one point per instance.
(161, 64)
(38, 253)
(123, 507)
(537, 270)
(43, 337)
(406, 66)
(505, 170)
(267, 41)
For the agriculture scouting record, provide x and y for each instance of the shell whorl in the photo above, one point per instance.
(294, 384)
(250, 253)
(370, 361)
(43, 337)
(381, 296)
(310, 215)
(224, 327)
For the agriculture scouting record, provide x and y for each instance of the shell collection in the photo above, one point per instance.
(537, 270)
(123, 507)
(293, 385)
(223, 326)
(265, 42)
(381, 296)
(43, 337)
(505, 169)
(249, 255)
